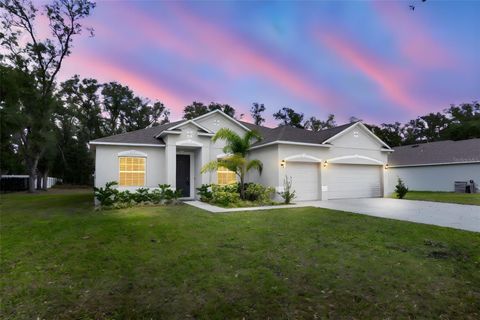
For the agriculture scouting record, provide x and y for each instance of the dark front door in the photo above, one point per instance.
(183, 174)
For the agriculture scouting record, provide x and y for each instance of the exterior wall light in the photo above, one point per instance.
(386, 166)
(325, 164)
(282, 163)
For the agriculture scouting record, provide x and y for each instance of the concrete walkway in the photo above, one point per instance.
(458, 216)
(215, 209)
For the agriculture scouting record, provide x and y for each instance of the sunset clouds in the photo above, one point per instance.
(317, 57)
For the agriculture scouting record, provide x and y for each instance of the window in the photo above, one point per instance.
(132, 171)
(225, 176)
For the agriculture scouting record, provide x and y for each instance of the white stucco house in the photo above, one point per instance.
(347, 161)
(435, 166)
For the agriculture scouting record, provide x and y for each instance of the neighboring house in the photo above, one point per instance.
(343, 162)
(435, 166)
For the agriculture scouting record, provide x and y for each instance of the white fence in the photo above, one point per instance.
(20, 182)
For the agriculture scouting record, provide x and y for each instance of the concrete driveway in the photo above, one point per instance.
(458, 216)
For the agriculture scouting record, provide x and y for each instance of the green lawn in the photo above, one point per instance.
(62, 259)
(451, 197)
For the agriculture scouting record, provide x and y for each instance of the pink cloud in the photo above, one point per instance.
(387, 77)
(413, 37)
(105, 70)
(238, 58)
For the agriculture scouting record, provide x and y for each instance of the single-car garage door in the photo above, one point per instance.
(304, 179)
(354, 181)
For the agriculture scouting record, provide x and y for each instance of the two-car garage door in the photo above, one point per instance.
(343, 180)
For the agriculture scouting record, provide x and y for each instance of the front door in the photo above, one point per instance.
(183, 174)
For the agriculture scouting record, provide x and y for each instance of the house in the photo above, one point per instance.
(347, 161)
(435, 166)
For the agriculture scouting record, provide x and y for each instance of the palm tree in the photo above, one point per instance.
(237, 148)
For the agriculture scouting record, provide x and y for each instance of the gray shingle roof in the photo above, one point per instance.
(286, 133)
(447, 151)
(143, 136)
(282, 133)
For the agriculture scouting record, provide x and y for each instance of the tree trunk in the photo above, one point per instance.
(45, 180)
(39, 181)
(32, 170)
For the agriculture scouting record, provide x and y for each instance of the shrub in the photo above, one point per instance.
(225, 195)
(287, 194)
(205, 192)
(141, 195)
(400, 189)
(106, 196)
(259, 193)
(124, 197)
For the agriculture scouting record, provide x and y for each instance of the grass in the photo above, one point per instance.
(62, 259)
(450, 197)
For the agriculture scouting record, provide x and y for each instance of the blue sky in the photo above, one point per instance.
(378, 61)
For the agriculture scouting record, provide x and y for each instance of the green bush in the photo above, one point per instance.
(258, 193)
(141, 195)
(205, 192)
(111, 198)
(225, 195)
(106, 196)
(400, 189)
(125, 197)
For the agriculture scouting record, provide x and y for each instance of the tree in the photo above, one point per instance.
(464, 122)
(227, 109)
(41, 60)
(391, 134)
(289, 117)
(82, 98)
(434, 125)
(196, 109)
(256, 111)
(237, 148)
(315, 124)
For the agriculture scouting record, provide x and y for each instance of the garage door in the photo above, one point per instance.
(304, 179)
(354, 181)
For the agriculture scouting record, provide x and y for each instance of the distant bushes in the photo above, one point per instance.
(112, 198)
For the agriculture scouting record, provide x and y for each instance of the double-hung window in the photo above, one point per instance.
(225, 176)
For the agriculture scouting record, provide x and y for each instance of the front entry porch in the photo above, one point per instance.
(184, 164)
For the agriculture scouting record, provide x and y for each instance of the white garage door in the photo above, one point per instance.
(354, 181)
(304, 179)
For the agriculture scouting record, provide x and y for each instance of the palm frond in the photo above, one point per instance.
(226, 134)
(251, 135)
(210, 166)
(255, 164)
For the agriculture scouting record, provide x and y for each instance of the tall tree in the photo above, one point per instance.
(42, 59)
(315, 124)
(226, 108)
(194, 110)
(289, 117)
(256, 111)
(434, 125)
(391, 134)
(464, 121)
(82, 98)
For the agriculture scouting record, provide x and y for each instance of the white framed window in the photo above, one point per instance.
(132, 171)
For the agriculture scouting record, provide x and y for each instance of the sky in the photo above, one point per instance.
(378, 61)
